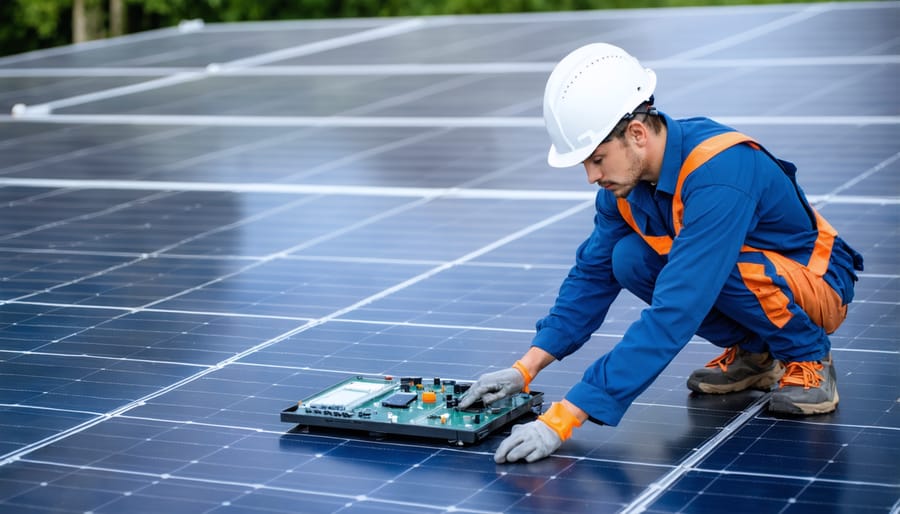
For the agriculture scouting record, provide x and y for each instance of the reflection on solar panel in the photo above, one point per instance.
(201, 225)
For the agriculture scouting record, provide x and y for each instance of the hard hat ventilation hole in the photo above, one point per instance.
(574, 79)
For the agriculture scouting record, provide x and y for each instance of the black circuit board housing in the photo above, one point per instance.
(408, 406)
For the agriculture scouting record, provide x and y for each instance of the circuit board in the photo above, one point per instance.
(408, 406)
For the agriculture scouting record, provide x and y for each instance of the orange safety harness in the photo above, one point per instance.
(776, 306)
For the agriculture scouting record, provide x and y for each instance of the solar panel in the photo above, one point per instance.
(202, 225)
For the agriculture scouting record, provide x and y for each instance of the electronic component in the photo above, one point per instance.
(348, 395)
(408, 407)
(399, 400)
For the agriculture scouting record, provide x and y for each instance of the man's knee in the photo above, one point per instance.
(636, 265)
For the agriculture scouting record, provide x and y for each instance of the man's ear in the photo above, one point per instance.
(637, 133)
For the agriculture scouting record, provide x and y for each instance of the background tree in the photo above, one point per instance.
(32, 24)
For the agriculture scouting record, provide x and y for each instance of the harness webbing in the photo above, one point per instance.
(818, 262)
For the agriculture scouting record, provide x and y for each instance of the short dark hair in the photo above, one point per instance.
(648, 115)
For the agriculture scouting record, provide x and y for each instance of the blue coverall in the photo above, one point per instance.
(739, 197)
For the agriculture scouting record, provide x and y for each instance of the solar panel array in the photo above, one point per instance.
(202, 225)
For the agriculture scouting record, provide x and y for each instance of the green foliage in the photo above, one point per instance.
(30, 24)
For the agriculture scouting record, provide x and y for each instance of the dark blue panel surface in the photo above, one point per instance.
(169, 284)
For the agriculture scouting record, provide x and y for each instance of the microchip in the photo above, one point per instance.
(399, 400)
(478, 406)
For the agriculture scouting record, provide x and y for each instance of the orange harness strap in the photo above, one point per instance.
(661, 244)
(818, 262)
(829, 314)
(698, 157)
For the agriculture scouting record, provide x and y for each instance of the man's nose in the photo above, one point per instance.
(593, 173)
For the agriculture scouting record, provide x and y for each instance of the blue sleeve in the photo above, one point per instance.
(589, 289)
(717, 219)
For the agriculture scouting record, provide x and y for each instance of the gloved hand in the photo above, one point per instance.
(531, 441)
(497, 385)
(538, 439)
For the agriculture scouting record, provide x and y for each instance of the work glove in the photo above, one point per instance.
(538, 439)
(497, 385)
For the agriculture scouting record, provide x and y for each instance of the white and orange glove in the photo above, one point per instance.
(497, 385)
(540, 438)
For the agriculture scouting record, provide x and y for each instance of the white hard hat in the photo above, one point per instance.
(587, 94)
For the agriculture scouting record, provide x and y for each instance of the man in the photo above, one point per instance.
(704, 225)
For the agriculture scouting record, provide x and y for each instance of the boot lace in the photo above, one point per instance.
(804, 374)
(722, 361)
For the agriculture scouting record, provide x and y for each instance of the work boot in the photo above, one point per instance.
(736, 370)
(806, 388)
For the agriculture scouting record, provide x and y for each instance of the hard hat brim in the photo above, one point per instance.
(568, 159)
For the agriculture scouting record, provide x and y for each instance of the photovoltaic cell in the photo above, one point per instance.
(180, 260)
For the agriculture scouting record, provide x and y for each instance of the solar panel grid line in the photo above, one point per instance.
(598, 334)
(426, 507)
(25, 139)
(344, 372)
(69, 251)
(654, 490)
(809, 476)
(491, 68)
(840, 425)
(804, 14)
(103, 147)
(245, 268)
(41, 407)
(363, 154)
(859, 178)
(854, 199)
(388, 30)
(805, 482)
(824, 90)
(16, 455)
(82, 217)
(99, 357)
(325, 237)
(865, 340)
(135, 71)
(279, 254)
(312, 189)
(399, 121)
(133, 310)
(342, 440)
(36, 197)
(124, 39)
(38, 109)
(238, 149)
(80, 279)
(47, 108)
(454, 192)
(782, 476)
(724, 11)
(180, 78)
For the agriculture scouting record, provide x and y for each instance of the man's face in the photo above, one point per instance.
(616, 166)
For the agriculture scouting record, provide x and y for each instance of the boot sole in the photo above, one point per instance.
(785, 406)
(762, 382)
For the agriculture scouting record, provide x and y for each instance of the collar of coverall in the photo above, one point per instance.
(671, 164)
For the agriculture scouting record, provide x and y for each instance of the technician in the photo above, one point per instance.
(703, 224)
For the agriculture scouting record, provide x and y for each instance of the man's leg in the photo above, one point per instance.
(745, 363)
(771, 328)
(757, 294)
(636, 266)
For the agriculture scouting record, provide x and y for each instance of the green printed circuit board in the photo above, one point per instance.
(408, 406)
